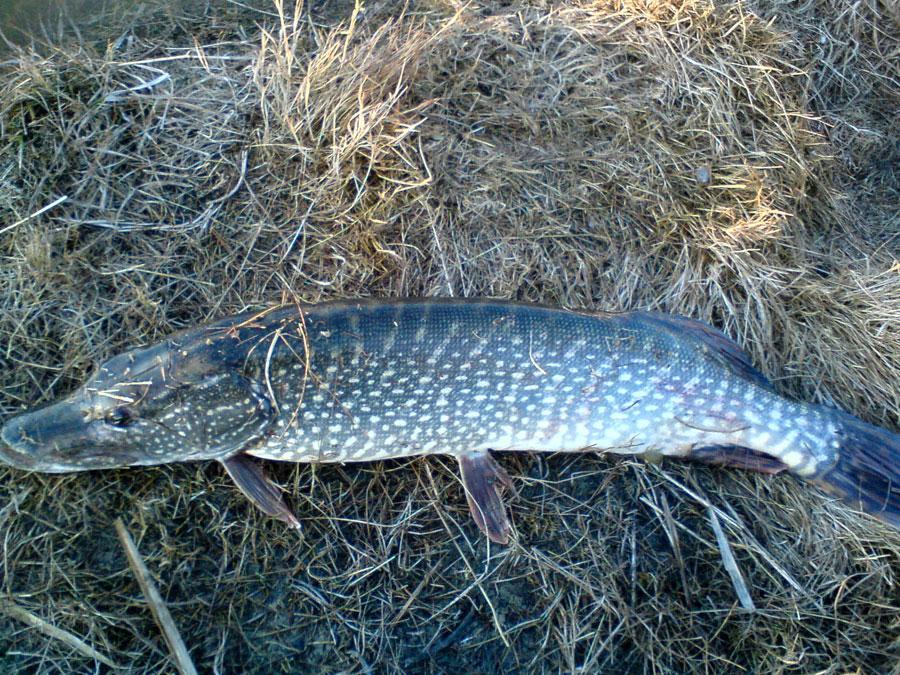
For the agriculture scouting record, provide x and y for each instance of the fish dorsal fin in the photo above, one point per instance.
(720, 346)
(249, 476)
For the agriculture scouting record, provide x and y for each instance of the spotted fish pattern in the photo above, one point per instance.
(368, 380)
(529, 378)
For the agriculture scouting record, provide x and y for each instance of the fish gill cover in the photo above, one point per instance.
(175, 162)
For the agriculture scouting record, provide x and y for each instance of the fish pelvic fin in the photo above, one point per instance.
(482, 478)
(867, 471)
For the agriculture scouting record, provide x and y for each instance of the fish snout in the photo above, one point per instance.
(15, 448)
(41, 439)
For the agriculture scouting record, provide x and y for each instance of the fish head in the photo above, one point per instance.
(155, 405)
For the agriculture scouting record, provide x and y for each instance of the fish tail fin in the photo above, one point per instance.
(867, 471)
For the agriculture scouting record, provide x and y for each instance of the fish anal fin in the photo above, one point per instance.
(482, 479)
(727, 350)
(737, 457)
(249, 476)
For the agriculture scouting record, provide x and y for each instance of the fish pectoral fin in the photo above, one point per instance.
(737, 457)
(249, 476)
(480, 476)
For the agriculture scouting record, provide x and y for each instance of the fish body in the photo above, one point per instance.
(367, 380)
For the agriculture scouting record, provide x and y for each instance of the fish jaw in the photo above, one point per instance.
(57, 438)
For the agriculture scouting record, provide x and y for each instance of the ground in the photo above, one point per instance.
(162, 164)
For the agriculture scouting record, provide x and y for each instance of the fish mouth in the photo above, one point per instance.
(42, 439)
(13, 450)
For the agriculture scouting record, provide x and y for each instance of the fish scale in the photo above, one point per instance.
(368, 380)
(427, 378)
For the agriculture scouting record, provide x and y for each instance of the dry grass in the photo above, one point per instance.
(692, 157)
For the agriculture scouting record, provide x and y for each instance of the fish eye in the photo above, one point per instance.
(120, 417)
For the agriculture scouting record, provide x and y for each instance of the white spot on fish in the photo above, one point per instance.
(793, 458)
(806, 469)
(750, 416)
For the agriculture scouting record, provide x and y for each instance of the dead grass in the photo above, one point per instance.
(697, 158)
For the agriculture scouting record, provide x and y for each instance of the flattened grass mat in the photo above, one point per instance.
(168, 164)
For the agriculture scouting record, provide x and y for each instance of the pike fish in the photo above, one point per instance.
(362, 380)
